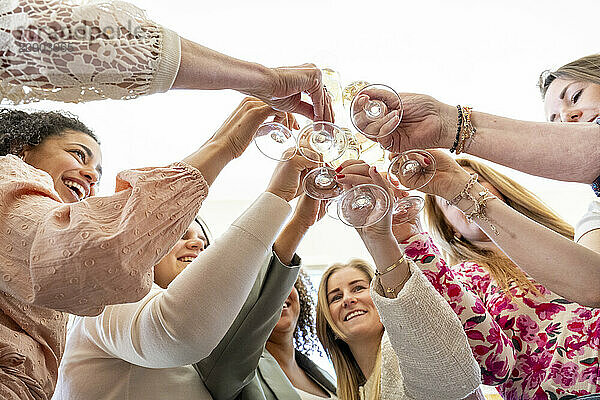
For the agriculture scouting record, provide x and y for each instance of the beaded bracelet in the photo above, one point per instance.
(458, 129)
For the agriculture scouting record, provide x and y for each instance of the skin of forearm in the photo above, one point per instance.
(562, 151)
(210, 159)
(561, 265)
(203, 68)
(288, 241)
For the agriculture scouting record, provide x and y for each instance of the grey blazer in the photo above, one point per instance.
(240, 367)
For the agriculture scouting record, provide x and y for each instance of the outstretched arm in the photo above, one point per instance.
(70, 52)
(562, 151)
(548, 257)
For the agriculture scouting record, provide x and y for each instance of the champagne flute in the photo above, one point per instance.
(412, 169)
(363, 205)
(369, 151)
(376, 111)
(274, 139)
(322, 142)
(352, 153)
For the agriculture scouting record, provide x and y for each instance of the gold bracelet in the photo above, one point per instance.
(464, 194)
(478, 209)
(394, 290)
(391, 267)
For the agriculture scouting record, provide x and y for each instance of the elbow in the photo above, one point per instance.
(126, 279)
(591, 300)
(200, 343)
(499, 377)
(587, 296)
(77, 303)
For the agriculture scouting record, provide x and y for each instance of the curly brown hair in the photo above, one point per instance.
(305, 334)
(20, 129)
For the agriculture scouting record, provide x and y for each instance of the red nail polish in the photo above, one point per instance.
(427, 161)
(338, 169)
(339, 176)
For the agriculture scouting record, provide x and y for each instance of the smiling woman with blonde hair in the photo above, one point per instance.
(388, 332)
(350, 377)
(416, 349)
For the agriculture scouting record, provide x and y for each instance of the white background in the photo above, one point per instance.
(487, 55)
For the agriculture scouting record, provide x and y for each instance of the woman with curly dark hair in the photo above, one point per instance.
(264, 356)
(63, 250)
(132, 351)
(305, 334)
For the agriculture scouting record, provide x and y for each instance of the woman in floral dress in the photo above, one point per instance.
(530, 343)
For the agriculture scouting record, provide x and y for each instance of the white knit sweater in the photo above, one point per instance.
(425, 352)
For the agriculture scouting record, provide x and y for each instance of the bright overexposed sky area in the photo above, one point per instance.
(479, 53)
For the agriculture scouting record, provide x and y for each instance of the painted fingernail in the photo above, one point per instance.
(338, 169)
(340, 176)
(427, 161)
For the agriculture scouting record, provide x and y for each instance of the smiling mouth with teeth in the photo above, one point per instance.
(76, 188)
(186, 259)
(354, 314)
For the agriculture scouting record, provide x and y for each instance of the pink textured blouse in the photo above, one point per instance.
(78, 258)
(531, 347)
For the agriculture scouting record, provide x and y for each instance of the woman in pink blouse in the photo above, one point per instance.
(63, 250)
(530, 342)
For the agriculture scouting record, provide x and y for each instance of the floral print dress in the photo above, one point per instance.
(529, 346)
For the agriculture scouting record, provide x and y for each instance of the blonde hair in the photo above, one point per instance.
(500, 267)
(585, 69)
(349, 374)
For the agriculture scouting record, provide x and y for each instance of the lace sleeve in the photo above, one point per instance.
(75, 52)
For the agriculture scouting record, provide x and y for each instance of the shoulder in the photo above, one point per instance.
(473, 275)
(589, 221)
(316, 372)
(13, 168)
